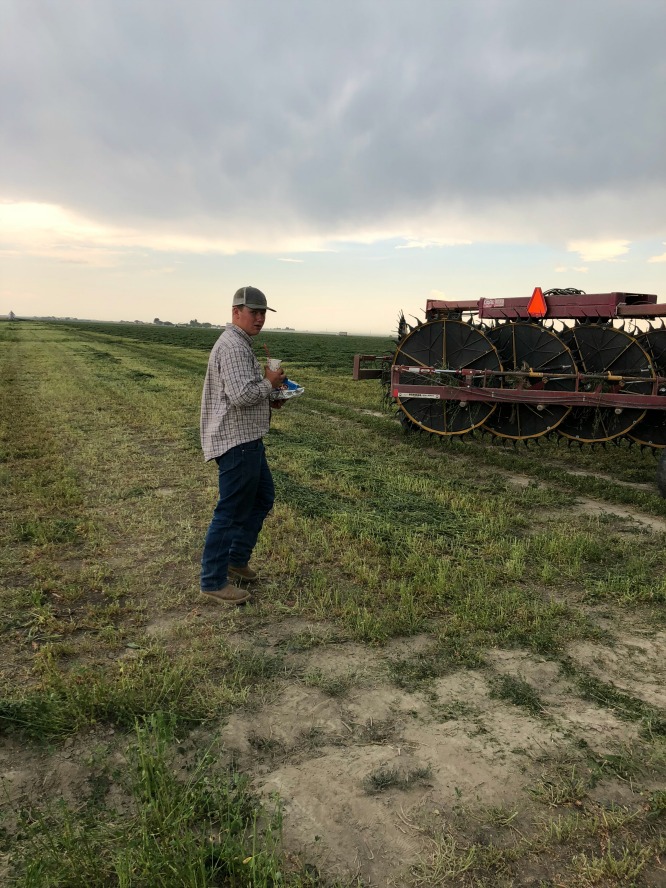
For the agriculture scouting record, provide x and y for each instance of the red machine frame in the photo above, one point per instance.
(481, 385)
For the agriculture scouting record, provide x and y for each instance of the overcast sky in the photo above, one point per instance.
(349, 158)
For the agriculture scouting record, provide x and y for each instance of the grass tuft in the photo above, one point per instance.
(392, 778)
(447, 656)
(516, 690)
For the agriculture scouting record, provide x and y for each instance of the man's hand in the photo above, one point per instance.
(275, 377)
(277, 404)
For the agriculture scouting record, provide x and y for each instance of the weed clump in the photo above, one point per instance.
(450, 654)
(391, 778)
(517, 691)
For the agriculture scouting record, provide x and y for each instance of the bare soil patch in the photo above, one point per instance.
(317, 752)
(635, 663)
(586, 506)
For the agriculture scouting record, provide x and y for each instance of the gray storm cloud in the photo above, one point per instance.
(216, 118)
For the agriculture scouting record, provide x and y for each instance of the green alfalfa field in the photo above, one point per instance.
(452, 671)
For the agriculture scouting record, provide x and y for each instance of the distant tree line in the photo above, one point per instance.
(193, 323)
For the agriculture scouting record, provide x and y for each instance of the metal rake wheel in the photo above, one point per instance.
(600, 350)
(447, 346)
(530, 347)
(651, 430)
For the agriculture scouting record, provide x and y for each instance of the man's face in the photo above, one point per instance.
(249, 319)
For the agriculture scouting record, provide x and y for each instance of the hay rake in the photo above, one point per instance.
(590, 368)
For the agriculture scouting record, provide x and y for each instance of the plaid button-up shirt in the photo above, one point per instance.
(234, 404)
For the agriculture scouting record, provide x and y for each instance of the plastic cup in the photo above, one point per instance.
(274, 364)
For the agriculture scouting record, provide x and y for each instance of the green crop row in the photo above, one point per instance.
(327, 351)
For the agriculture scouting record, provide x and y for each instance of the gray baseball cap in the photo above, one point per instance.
(251, 297)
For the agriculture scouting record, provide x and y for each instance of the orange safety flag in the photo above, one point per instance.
(536, 307)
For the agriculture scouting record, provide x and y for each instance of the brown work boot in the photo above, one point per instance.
(242, 573)
(227, 594)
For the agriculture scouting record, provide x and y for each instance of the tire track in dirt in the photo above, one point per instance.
(587, 506)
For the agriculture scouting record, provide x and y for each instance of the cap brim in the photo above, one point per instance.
(248, 305)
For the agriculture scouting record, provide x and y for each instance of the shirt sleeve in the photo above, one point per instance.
(243, 384)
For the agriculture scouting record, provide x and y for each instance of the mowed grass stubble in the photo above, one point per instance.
(376, 534)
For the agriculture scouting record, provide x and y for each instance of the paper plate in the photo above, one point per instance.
(289, 390)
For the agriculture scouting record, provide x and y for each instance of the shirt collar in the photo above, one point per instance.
(246, 336)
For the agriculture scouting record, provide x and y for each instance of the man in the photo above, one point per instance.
(235, 415)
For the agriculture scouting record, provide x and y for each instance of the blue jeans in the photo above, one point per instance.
(246, 497)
